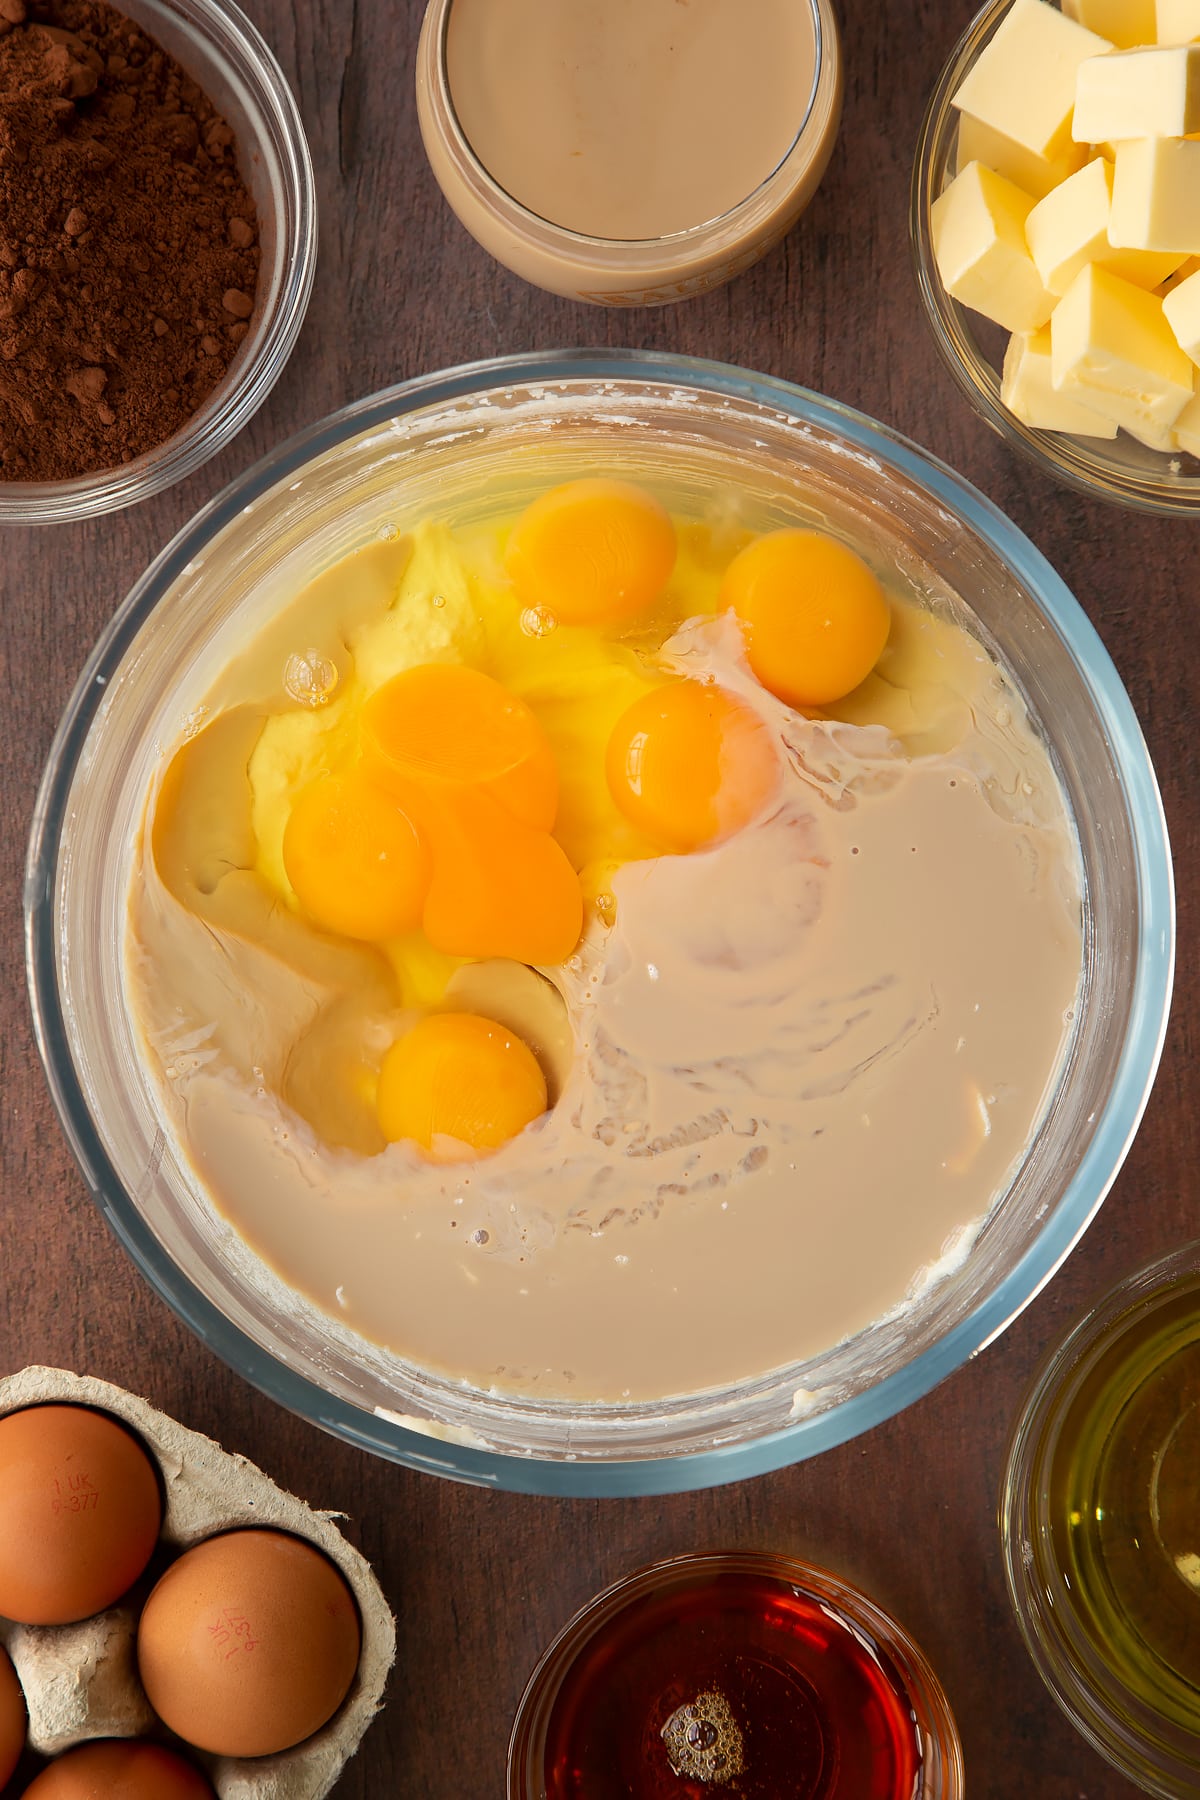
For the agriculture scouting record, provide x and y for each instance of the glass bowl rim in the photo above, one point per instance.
(1068, 459)
(855, 1608)
(235, 40)
(1081, 1684)
(670, 1473)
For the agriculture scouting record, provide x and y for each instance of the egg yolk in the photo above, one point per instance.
(470, 763)
(592, 552)
(689, 765)
(457, 1080)
(448, 727)
(814, 615)
(499, 887)
(354, 859)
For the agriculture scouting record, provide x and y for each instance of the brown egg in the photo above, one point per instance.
(124, 1770)
(248, 1643)
(12, 1718)
(79, 1513)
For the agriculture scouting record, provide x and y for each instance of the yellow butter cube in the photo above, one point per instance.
(978, 142)
(1112, 350)
(1156, 195)
(1028, 391)
(1186, 434)
(1177, 21)
(1181, 308)
(1023, 81)
(1070, 227)
(1138, 94)
(1123, 22)
(978, 227)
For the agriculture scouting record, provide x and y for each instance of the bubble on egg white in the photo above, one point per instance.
(310, 677)
(538, 621)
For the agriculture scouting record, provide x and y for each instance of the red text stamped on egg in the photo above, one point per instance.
(232, 1632)
(77, 1494)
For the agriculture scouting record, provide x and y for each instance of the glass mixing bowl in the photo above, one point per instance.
(428, 446)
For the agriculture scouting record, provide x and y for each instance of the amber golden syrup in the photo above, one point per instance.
(736, 1685)
(1124, 1494)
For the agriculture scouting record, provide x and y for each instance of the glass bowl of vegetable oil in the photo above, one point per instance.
(1100, 1520)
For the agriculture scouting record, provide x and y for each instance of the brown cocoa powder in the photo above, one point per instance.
(128, 242)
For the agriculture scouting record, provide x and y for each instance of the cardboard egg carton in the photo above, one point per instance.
(80, 1681)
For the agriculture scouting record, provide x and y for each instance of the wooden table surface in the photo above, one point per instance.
(480, 1581)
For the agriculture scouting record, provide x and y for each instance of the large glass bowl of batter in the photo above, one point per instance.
(418, 448)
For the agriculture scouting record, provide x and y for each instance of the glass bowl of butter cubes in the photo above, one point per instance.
(1056, 235)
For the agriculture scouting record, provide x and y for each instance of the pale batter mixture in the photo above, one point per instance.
(787, 1073)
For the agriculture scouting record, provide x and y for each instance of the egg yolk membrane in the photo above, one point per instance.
(449, 729)
(592, 552)
(354, 859)
(458, 1084)
(512, 731)
(689, 765)
(469, 763)
(814, 615)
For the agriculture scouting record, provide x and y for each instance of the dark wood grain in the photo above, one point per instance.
(480, 1581)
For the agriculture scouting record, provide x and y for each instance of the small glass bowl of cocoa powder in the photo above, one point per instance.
(158, 240)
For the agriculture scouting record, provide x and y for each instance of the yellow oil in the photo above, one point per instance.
(1125, 1505)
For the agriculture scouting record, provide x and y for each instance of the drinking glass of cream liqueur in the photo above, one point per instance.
(628, 152)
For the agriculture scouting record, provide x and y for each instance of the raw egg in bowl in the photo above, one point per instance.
(599, 923)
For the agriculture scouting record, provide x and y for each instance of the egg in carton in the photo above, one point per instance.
(81, 1680)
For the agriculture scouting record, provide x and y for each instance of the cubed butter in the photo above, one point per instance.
(1186, 269)
(1187, 428)
(1123, 22)
(1156, 195)
(978, 142)
(1177, 21)
(1137, 94)
(1023, 81)
(1070, 228)
(1112, 350)
(978, 227)
(1026, 388)
(1181, 308)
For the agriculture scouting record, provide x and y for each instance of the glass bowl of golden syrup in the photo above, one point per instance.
(1100, 1518)
(728, 1674)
